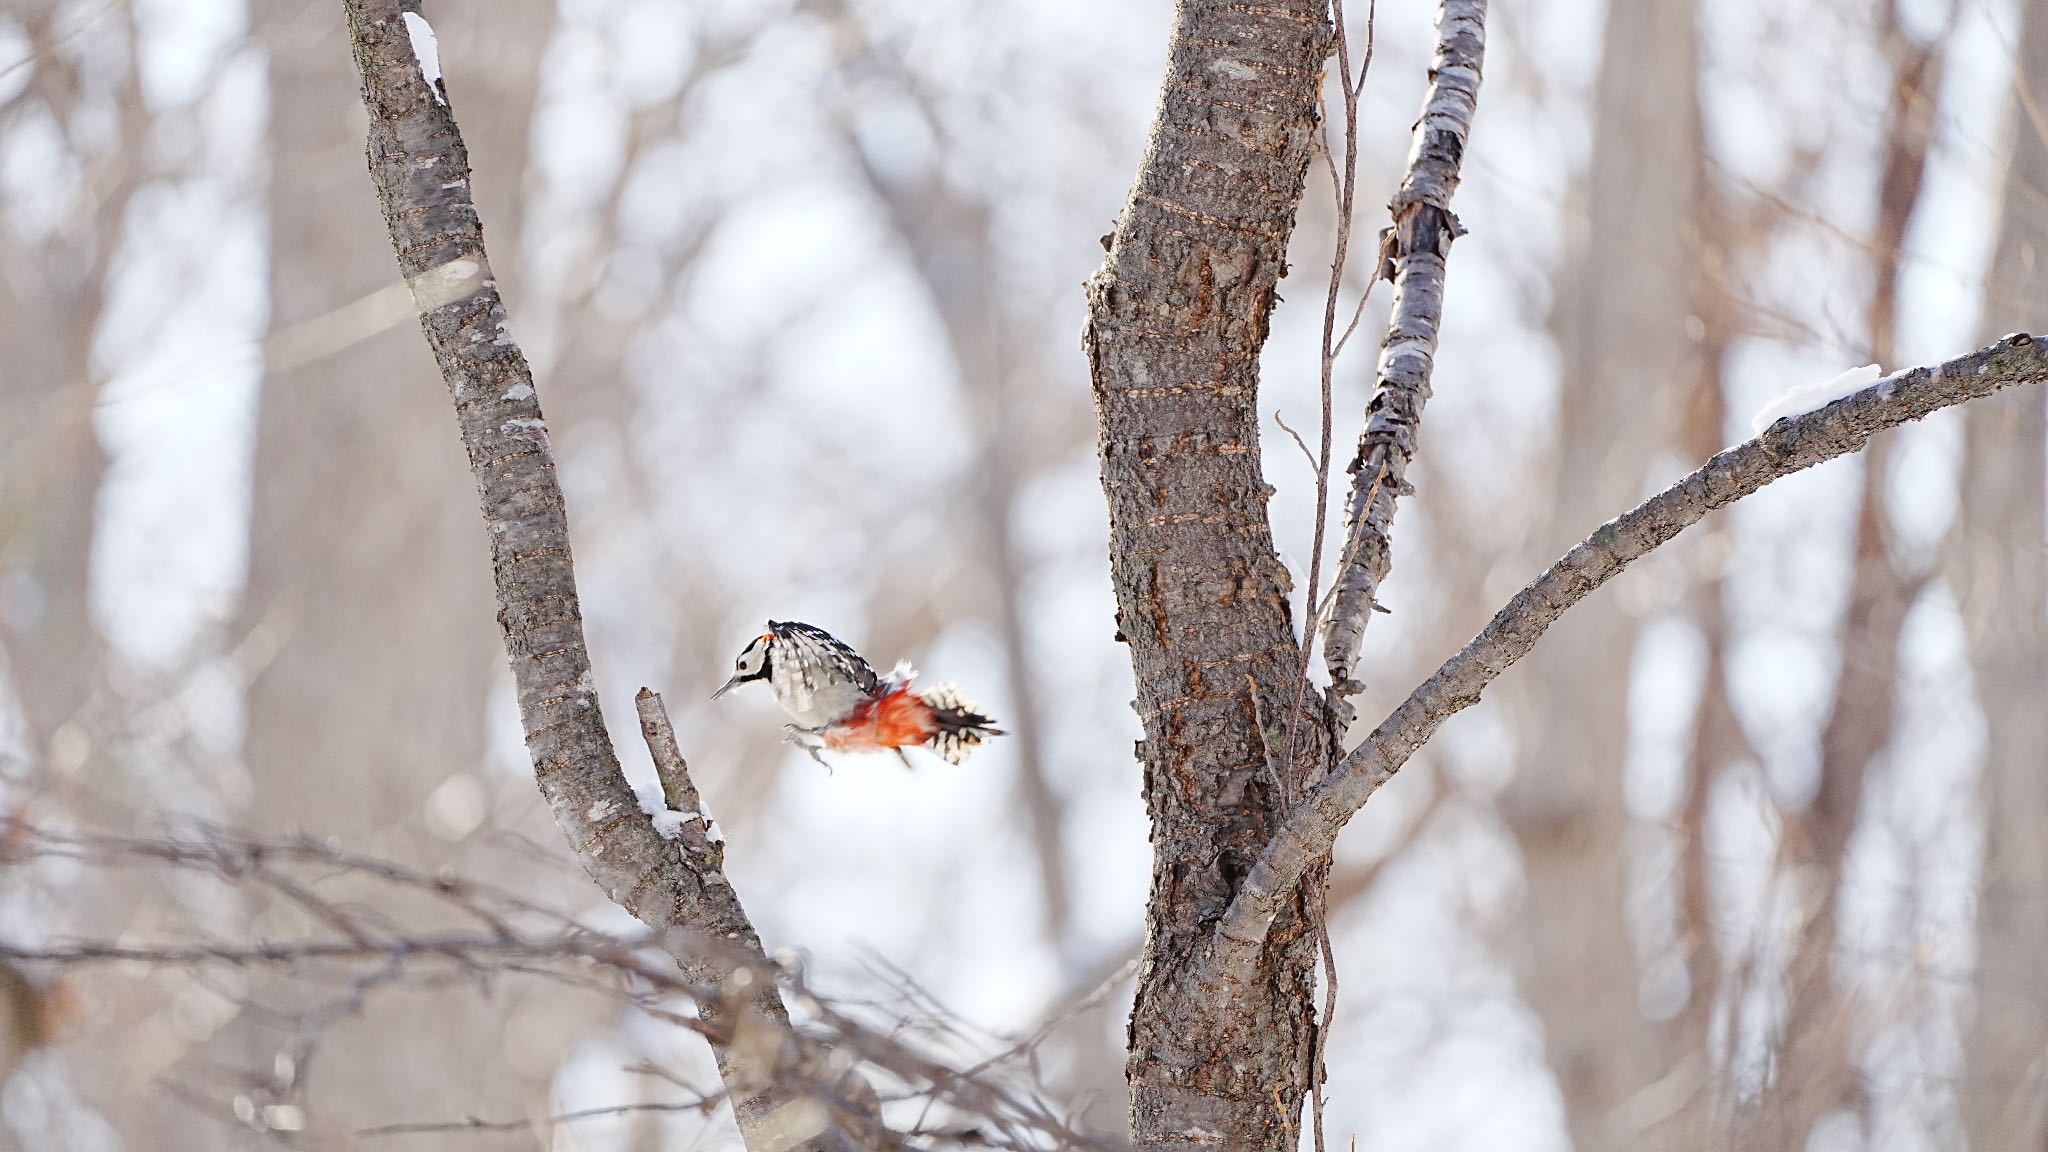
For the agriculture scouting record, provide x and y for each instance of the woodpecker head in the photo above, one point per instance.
(752, 664)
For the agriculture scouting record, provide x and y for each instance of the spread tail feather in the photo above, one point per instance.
(960, 727)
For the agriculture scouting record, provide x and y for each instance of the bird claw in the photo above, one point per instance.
(802, 738)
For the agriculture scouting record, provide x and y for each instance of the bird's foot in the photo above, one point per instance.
(806, 739)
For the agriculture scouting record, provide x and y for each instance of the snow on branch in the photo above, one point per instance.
(1788, 445)
(1417, 244)
(426, 49)
(1807, 397)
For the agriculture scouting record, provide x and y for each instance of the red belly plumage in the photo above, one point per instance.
(897, 719)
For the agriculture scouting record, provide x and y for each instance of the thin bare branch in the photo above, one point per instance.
(703, 1106)
(678, 791)
(1347, 188)
(1417, 245)
(623, 968)
(1790, 445)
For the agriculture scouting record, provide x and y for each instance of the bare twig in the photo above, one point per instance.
(1417, 245)
(421, 171)
(677, 790)
(1346, 182)
(1307, 455)
(556, 950)
(1346, 189)
(261, 955)
(696, 833)
(1788, 446)
(703, 1106)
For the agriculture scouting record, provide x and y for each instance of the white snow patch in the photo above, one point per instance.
(427, 50)
(1811, 397)
(669, 824)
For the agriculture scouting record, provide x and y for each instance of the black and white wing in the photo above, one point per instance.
(818, 679)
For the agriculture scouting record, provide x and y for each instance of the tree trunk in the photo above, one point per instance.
(1697, 1114)
(1621, 329)
(2002, 580)
(364, 556)
(1816, 1058)
(54, 287)
(1176, 318)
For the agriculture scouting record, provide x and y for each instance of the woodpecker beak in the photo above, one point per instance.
(728, 686)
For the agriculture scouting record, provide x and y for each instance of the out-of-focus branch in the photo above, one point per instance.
(465, 947)
(2000, 574)
(421, 171)
(1417, 244)
(702, 1105)
(363, 950)
(1790, 445)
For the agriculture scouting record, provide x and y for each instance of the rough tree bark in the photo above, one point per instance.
(2001, 576)
(677, 888)
(1418, 244)
(1176, 318)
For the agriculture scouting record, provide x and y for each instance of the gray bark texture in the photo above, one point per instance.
(1788, 446)
(677, 888)
(1418, 243)
(1176, 318)
(2001, 575)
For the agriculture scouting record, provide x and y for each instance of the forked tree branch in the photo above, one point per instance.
(1418, 244)
(676, 887)
(1790, 445)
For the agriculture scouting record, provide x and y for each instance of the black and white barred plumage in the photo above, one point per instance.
(837, 700)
